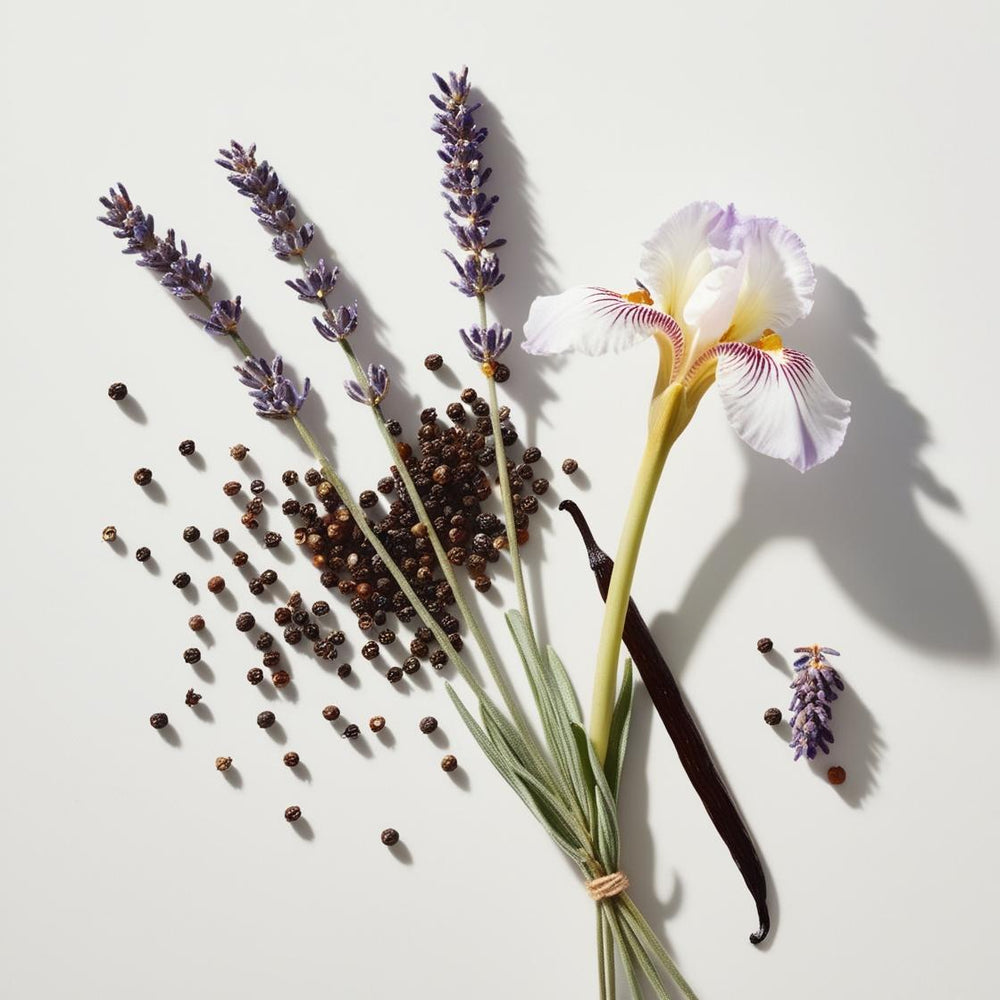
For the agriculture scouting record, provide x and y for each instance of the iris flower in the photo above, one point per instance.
(717, 288)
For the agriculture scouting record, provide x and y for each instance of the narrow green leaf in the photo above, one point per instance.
(564, 686)
(607, 811)
(618, 737)
(625, 952)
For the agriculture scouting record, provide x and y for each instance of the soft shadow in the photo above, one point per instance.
(277, 733)
(301, 772)
(197, 461)
(401, 853)
(233, 776)
(203, 671)
(132, 409)
(460, 778)
(203, 712)
(386, 737)
(155, 492)
(170, 735)
(303, 828)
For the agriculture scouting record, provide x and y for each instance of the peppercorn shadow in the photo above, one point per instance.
(401, 853)
(132, 409)
(203, 712)
(197, 461)
(155, 492)
(200, 547)
(439, 738)
(460, 778)
(302, 772)
(276, 731)
(289, 693)
(204, 672)
(359, 745)
(233, 776)
(303, 828)
(169, 735)
(387, 738)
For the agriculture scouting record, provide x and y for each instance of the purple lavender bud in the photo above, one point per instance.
(816, 684)
(337, 323)
(378, 386)
(485, 345)
(469, 207)
(225, 317)
(317, 284)
(273, 395)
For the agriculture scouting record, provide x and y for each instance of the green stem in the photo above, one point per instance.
(662, 433)
(602, 972)
(609, 947)
(640, 926)
(625, 952)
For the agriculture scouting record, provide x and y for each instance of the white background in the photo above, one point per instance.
(130, 867)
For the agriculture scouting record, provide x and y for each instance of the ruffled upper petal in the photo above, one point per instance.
(594, 321)
(778, 286)
(779, 404)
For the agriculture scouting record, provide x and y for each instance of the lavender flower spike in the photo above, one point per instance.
(337, 323)
(485, 345)
(469, 207)
(273, 394)
(378, 386)
(317, 284)
(225, 317)
(814, 684)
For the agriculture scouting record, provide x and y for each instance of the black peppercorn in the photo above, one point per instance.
(255, 506)
(186, 447)
(290, 477)
(394, 675)
(292, 813)
(433, 362)
(501, 373)
(192, 655)
(245, 621)
(428, 724)
(191, 534)
(255, 675)
(390, 837)
(368, 498)
(351, 732)
(159, 720)
(231, 488)
(370, 650)
(772, 716)
(196, 623)
(216, 584)
(272, 539)
(482, 583)
(240, 559)
(387, 637)
(118, 391)
(532, 455)
(569, 466)
(264, 641)
(271, 658)
(481, 408)
(291, 507)
(282, 616)
(338, 638)
(220, 536)
(411, 665)
(256, 586)
(239, 452)
(312, 477)
(291, 759)
(376, 723)
(143, 477)
(281, 678)
(191, 698)
(268, 577)
(300, 617)
(764, 645)
(344, 671)
(469, 395)
(311, 631)
(142, 554)
(438, 659)
(320, 608)
(394, 427)
(529, 505)
(257, 486)
(449, 762)
(181, 580)
(456, 413)
(386, 484)
(292, 636)
(331, 713)
(540, 486)
(265, 720)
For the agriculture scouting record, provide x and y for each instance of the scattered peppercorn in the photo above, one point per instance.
(483, 583)
(501, 373)
(428, 724)
(772, 716)
(764, 645)
(196, 623)
(344, 671)
(331, 713)
(394, 427)
(281, 678)
(291, 759)
(192, 654)
(191, 698)
(239, 452)
(320, 608)
(272, 539)
(438, 659)
(257, 487)
(292, 635)
(220, 536)
(143, 477)
(271, 659)
(376, 723)
(191, 534)
(142, 554)
(223, 763)
(351, 732)
(110, 533)
(338, 638)
(118, 391)
(231, 488)
(540, 486)
(245, 621)
(370, 650)
(240, 558)
(449, 762)
(394, 675)
(255, 675)
(159, 720)
(282, 616)
(256, 586)
(411, 665)
(265, 720)
(186, 447)
(216, 584)
(387, 637)
(293, 813)
(433, 362)
(570, 465)
(390, 837)
(181, 580)
(836, 775)
(264, 641)
(290, 477)
(312, 477)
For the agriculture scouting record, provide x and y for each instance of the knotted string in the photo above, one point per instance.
(607, 886)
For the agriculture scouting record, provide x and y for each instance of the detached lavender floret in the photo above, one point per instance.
(469, 207)
(378, 386)
(273, 394)
(814, 684)
(487, 345)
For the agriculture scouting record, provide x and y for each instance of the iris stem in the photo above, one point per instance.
(663, 431)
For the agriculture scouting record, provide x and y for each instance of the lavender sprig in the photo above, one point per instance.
(224, 318)
(486, 345)
(274, 209)
(273, 394)
(469, 206)
(814, 685)
(317, 283)
(376, 390)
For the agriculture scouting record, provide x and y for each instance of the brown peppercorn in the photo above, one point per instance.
(433, 362)
(118, 391)
(269, 577)
(196, 623)
(428, 724)
(324, 490)
(220, 536)
(271, 658)
(239, 452)
(282, 616)
(292, 635)
(351, 732)
(469, 395)
(192, 654)
(264, 641)
(191, 698)
(387, 637)
(293, 813)
(772, 716)
(142, 477)
(232, 488)
(312, 477)
(190, 534)
(376, 723)
(110, 533)
(836, 775)
(281, 678)
(370, 650)
(764, 645)
(344, 671)
(501, 373)
(394, 675)
(529, 505)
(289, 477)
(223, 763)
(331, 713)
(255, 675)
(256, 586)
(272, 539)
(181, 580)
(532, 455)
(159, 720)
(291, 759)
(216, 584)
(390, 837)
(540, 486)
(570, 465)
(411, 665)
(449, 762)
(394, 427)
(320, 608)
(256, 505)
(245, 621)
(368, 498)
(240, 558)
(456, 413)
(291, 507)
(186, 447)
(438, 659)
(142, 554)
(265, 720)
(249, 521)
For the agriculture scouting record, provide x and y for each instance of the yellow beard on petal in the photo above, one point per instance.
(640, 297)
(770, 341)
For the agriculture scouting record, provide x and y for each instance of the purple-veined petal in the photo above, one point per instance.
(779, 404)
(594, 321)
(779, 282)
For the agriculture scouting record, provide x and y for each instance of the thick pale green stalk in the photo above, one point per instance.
(662, 432)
